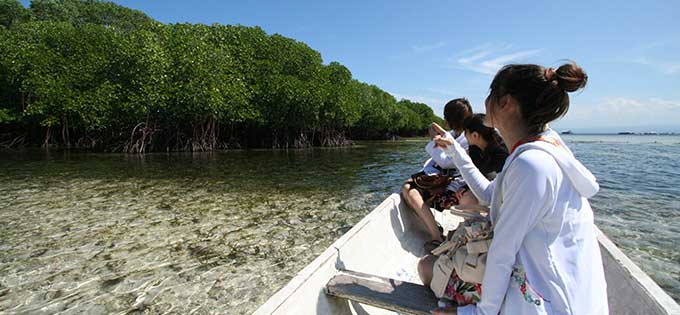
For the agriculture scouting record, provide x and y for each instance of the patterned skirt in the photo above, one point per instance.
(461, 292)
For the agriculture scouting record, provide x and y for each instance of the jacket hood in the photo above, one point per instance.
(583, 180)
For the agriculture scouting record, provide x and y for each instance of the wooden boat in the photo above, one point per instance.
(388, 242)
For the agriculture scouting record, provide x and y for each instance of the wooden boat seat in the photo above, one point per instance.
(390, 294)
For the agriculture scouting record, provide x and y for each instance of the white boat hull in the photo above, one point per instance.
(389, 241)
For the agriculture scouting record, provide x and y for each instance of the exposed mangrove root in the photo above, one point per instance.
(334, 138)
(65, 136)
(140, 138)
(17, 142)
(301, 141)
(48, 136)
(204, 136)
(87, 141)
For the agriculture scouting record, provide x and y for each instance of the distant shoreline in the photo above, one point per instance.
(624, 133)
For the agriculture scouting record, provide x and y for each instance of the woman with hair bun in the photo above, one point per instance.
(544, 257)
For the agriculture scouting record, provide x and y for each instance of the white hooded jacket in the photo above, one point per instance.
(543, 226)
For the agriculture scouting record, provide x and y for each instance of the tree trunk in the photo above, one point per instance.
(65, 137)
(48, 134)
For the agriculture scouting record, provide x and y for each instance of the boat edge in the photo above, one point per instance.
(646, 283)
(651, 288)
(279, 298)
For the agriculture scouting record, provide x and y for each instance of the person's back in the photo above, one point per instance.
(559, 242)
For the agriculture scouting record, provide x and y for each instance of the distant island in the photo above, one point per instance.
(621, 133)
(648, 133)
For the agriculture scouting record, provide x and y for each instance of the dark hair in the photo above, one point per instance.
(455, 112)
(541, 92)
(475, 123)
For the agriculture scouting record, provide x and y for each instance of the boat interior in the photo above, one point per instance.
(387, 245)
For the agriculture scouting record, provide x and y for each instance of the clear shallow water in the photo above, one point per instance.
(220, 233)
(638, 205)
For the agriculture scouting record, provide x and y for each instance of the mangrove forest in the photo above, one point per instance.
(95, 75)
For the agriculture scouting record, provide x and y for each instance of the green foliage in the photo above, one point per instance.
(5, 116)
(62, 71)
(11, 11)
(378, 111)
(139, 68)
(79, 12)
(103, 73)
(420, 115)
(203, 81)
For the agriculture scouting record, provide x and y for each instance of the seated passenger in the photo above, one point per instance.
(420, 199)
(461, 292)
(487, 150)
(544, 257)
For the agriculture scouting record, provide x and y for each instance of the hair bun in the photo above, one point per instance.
(571, 77)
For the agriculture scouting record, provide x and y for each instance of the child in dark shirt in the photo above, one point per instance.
(487, 150)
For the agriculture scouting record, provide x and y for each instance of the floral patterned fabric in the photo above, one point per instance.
(444, 200)
(461, 292)
(519, 279)
(464, 293)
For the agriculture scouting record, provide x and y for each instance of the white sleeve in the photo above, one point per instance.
(466, 310)
(528, 193)
(480, 185)
(438, 155)
(462, 139)
(429, 168)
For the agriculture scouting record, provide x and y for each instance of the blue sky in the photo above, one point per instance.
(433, 51)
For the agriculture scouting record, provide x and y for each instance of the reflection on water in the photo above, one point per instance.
(182, 233)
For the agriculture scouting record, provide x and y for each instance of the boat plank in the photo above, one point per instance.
(390, 294)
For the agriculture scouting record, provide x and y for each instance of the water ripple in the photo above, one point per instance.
(204, 233)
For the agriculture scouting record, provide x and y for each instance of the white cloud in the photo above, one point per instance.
(489, 58)
(426, 48)
(663, 66)
(623, 112)
(474, 57)
(416, 50)
(639, 109)
(654, 55)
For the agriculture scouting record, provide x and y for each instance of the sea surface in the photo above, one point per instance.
(221, 232)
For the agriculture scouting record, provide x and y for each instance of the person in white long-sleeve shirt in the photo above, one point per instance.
(455, 112)
(438, 159)
(544, 257)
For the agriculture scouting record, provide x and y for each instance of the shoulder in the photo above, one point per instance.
(532, 174)
(460, 138)
(473, 149)
(499, 151)
(536, 163)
